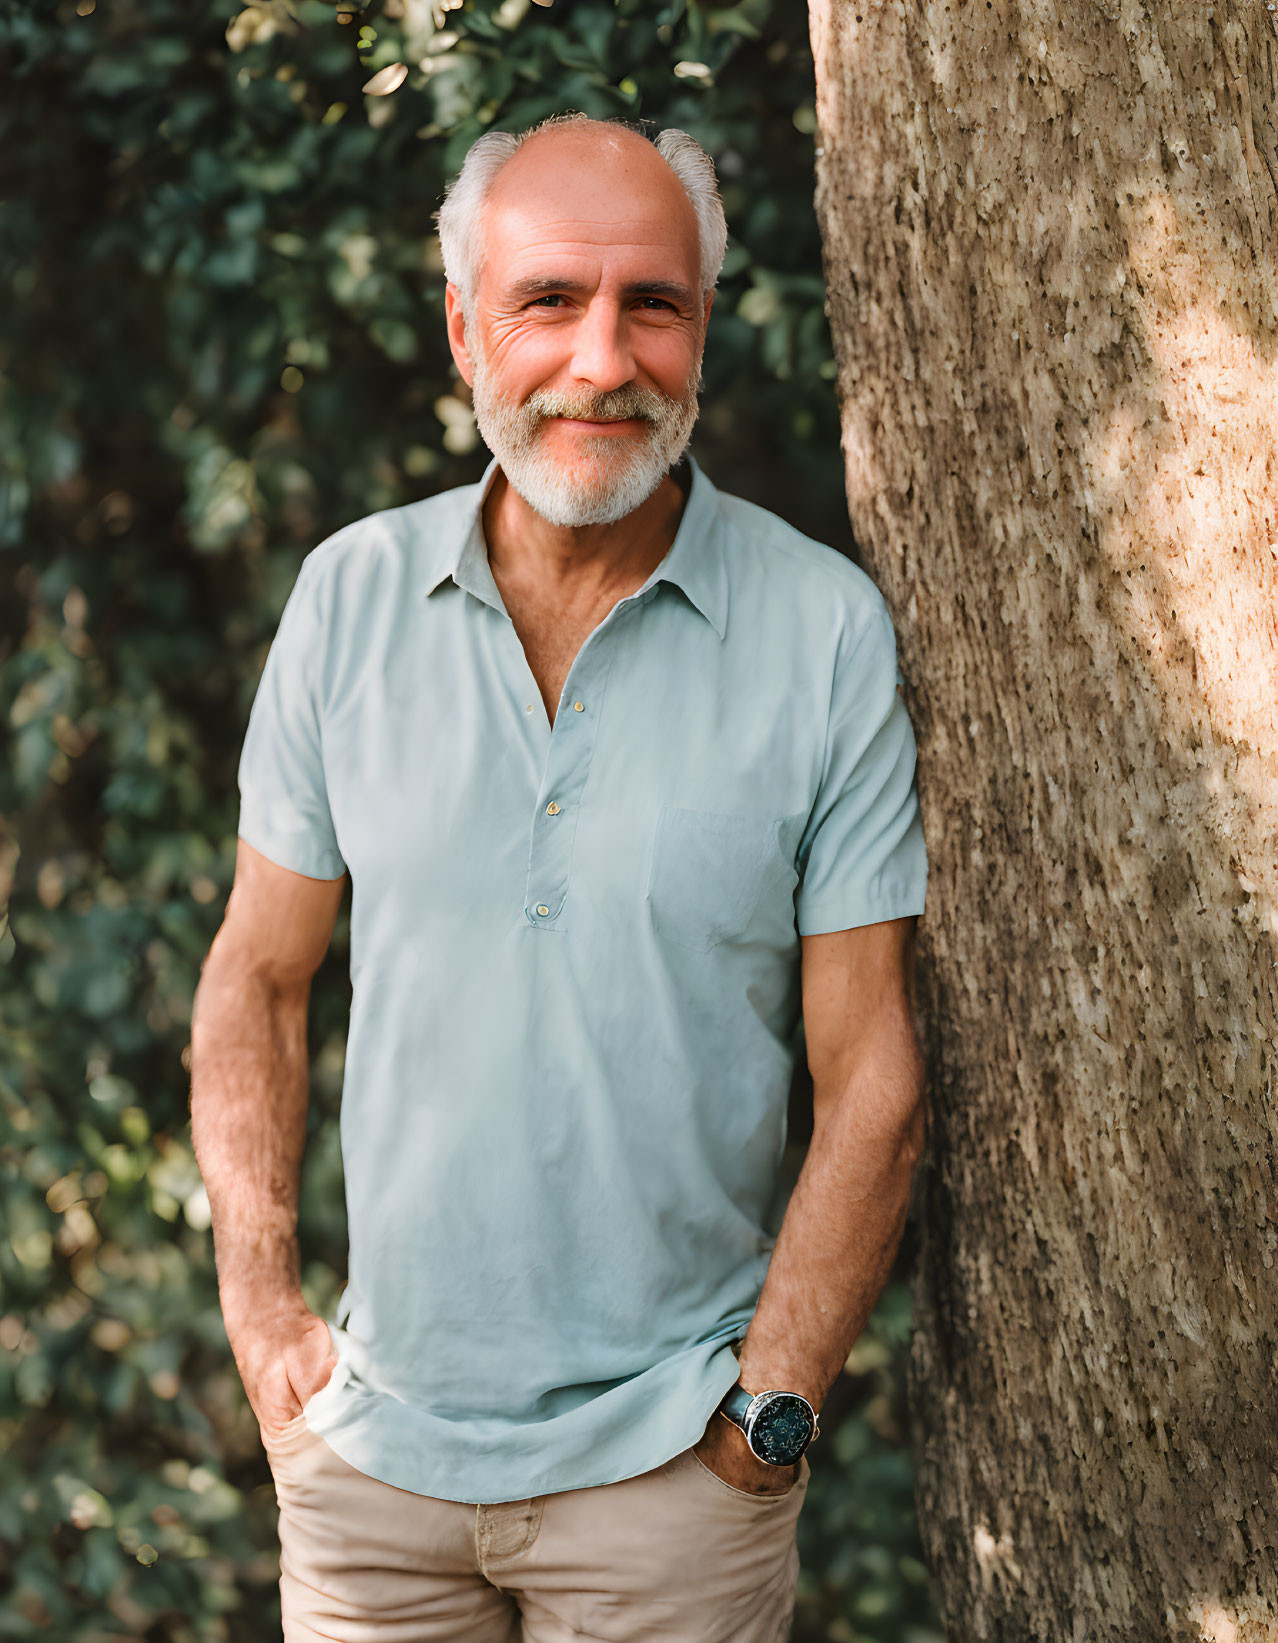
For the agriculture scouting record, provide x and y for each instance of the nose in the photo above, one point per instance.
(602, 355)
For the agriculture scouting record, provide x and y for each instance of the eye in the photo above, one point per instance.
(549, 297)
(657, 302)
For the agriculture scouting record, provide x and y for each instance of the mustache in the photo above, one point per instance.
(632, 401)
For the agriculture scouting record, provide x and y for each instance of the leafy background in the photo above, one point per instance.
(223, 339)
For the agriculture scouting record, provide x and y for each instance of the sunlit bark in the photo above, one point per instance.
(1050, 238)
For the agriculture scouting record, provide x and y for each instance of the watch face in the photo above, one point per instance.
(782, 1428)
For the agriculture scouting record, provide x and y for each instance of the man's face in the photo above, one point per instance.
(583, 346)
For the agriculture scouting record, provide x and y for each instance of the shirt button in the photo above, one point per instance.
(543, 911)
(577, 707)
(552, 809)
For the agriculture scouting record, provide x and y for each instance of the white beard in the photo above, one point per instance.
(615, 473)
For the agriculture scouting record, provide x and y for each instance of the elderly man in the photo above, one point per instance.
(622, 778)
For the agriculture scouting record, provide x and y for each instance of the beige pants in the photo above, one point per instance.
(673, 1554)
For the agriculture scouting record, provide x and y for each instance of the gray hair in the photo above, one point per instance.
(460, 234)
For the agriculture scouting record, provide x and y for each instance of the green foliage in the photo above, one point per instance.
(224, 339)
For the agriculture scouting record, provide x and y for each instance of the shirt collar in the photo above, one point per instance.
(695, 562)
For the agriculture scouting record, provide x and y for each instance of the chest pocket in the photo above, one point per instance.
(708, 873)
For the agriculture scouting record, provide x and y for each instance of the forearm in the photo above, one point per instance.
(841, 1230)
(249, 1097)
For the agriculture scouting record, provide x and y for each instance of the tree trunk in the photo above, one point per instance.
(1049, 235)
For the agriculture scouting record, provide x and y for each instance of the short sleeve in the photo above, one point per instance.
(284, 809)
(862, 858)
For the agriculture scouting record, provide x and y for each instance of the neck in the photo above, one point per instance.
(578, 563)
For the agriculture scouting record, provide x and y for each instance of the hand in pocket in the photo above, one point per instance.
(723, 1450)
(283, 1361)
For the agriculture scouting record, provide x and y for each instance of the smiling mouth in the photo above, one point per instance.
(598, 421)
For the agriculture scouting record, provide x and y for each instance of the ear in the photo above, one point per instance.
(456, 324)
(705, 318)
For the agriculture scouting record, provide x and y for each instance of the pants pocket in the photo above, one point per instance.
(799, 1484)
(284, 1440)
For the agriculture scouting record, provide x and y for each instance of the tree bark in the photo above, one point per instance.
(1050, 240)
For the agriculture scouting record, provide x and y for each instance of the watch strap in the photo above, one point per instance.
(735, 1405)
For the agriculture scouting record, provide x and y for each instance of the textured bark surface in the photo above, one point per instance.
(1050, 240)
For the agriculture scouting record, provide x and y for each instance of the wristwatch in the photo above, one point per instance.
(778, 1426)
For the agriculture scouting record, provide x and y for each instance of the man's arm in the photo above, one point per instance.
(835, 1247)
(249, 1095)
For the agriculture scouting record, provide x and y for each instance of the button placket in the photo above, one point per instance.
(554, 826)
(567, 769)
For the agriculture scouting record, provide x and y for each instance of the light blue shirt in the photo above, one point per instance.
(575, 965)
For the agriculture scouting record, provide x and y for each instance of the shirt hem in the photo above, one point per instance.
(635, 1427)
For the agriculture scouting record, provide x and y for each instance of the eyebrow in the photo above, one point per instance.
(539, 285)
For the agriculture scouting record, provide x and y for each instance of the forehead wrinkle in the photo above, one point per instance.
(590, 264)
(566, 232)
(533, 285)
(648, 206)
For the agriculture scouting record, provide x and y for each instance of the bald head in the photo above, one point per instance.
(597, 174)
(579, 189)
(582, 151)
